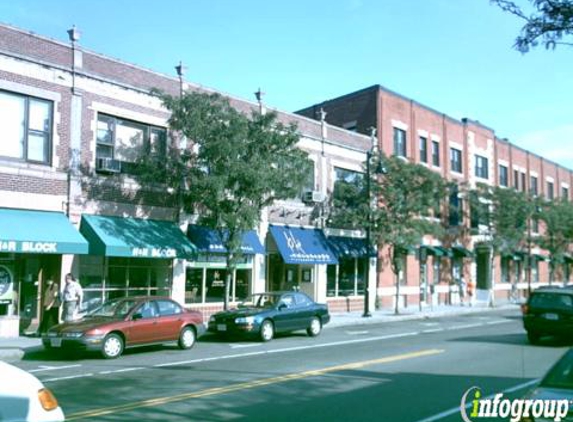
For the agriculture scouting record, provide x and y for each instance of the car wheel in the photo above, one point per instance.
(187, 338)
(267, 330)
(315, 327)
(112, 346)
(533, 337)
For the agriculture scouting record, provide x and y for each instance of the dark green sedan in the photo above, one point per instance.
(266, 314)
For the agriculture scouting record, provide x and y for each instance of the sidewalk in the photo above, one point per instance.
(13, 349)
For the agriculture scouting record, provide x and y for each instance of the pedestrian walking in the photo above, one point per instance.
(51, 306)
(72, 298)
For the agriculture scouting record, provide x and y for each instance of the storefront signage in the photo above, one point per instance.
(154, 253)
(5, 281)
(28, 247)
(298, 253)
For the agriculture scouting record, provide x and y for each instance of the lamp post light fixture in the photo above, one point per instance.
(180, 69)
(372, 152)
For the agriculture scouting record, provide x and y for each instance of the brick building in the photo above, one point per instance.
(463, 151)
(72, 121)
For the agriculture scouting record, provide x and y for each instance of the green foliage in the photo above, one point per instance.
(405, 195)
(509, 214)
(348, 205)
(549, 24)
(557, 235)
(234, 165)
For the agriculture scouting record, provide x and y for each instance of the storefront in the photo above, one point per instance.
(31, 247)
(131, 257)
(297, 259)
(205, 275)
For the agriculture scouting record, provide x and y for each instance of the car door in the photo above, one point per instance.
(285, 319)
(305, 310)
(170, 320)
(143, 324)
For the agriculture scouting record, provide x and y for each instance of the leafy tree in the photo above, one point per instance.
(556, 237)
(549, 24)
(236, 166)
(511, 214)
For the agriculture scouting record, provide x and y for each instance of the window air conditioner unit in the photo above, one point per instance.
(108, 165)
(312, 196)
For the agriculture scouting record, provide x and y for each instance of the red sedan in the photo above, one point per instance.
(128, 322)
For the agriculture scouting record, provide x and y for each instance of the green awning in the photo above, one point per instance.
(41, 232)
(515, 256)
(135, 238)
(460, 251)
(432, 250)
(540, 257)
(568, 258)
(444, 251)
(401, 250)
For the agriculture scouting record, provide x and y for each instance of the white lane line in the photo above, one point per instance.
(463, 327)
(44, 368)
(242, 346)
(115, 371)
(357, 333)
(457, 409)
(68, 378)
(501, 321)
(433, 330)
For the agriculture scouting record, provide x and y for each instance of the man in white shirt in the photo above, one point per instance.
(72, 297)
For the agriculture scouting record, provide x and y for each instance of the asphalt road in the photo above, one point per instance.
(408, 371)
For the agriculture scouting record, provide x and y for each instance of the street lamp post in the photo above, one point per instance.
(379, 170)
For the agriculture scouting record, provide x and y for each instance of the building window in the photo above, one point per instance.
(479, 211)
(423, 149)
(533, 185)
(523, 183)
(399, 142)
(26, 128)
(120, 143)
(565, 193)
(456, 207)
(436, 153)
(503, 176)
(456, 160)
(482, 170)
(516, 179)
(535, 225)
(550, 192)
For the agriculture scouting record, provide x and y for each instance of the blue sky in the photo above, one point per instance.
(455, 56)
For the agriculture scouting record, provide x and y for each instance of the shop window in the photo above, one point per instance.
(120, 143)
(505, 269)
(26, 128)
(215, 286)
(436, 267)
(351, 274)
(194, 285)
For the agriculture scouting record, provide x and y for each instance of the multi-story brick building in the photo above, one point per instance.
(72, 121)
(463, 151)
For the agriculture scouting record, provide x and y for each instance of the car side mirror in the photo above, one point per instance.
(137, 316)
(282, 307)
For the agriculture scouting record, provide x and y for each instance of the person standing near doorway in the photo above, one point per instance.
(51, 303)
(72, 296)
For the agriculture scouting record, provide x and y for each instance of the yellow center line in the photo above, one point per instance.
(159, 401)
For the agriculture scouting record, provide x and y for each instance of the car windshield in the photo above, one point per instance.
(117, 308)
(551, 300)
(561, 375)
(262, 301)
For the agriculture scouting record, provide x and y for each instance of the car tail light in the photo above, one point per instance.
(47, 399)
(524, 309)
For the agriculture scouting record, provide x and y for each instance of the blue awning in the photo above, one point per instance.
(41, 232)
(208, 240)
(303, 246)
(350, 247)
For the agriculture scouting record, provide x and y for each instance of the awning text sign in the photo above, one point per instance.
(17, 246)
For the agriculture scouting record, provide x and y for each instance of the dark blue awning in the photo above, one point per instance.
(208, 240)
(349, 247)
(303, 246)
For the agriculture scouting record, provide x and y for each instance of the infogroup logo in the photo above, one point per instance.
(515, 409)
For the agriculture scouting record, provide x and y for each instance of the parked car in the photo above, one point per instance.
(127, 322)
(557, 384)
(548, 311)
(268, 313)
(23, 398)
